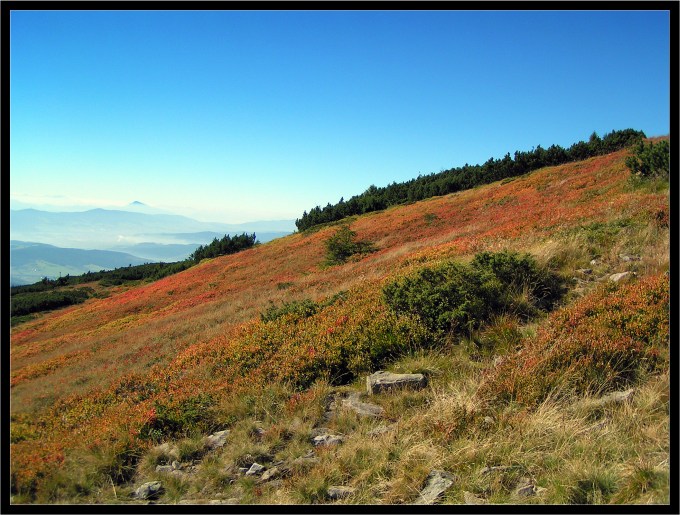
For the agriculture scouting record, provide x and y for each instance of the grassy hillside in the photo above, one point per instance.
(95, 388)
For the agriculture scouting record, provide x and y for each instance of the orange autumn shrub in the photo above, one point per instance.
(605, 341)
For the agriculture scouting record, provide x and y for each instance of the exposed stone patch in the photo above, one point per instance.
(622, 277)
(381, 381)
(339, 492)
(627, 257)
(255, 469)
(327, 439)
(362, 408)
(216, 440)
(438, 481)
(150, 490)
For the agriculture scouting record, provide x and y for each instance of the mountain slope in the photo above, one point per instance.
(184, 351)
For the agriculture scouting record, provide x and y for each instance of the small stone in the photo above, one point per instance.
(339, 492)
(243, 470)
(471, 498)
(150, 490)
(164, 469)
(489, 421)
(585, 271)
(627, 258)
(327, 439)
(255, 469)
(594, 262)
(438, 481)
(176, 465)
(216, 440)
(525, 491)
(621, 277)
(270, 474)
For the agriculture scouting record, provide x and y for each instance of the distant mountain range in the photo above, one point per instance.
(44, 243)
(30, 262)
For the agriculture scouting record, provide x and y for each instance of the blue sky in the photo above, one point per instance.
(237, 116)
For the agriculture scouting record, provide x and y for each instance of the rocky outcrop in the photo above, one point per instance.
(381, 381)
(438, 482)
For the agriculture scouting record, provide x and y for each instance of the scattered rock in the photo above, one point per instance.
(489, 421)
(243, 470)
(327, 439)
(438, 481)
(150, 490)
(381, 381)
(627, 258)
(594, 262)
(255, 469)
(216, 440)
(622, 277)
(164, 469)
(271, 474)
(525, 488)
(585, 271)
(471, 498)
(362, 408)
(339, 492)
(176, 465)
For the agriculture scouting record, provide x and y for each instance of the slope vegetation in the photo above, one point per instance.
(96, 388)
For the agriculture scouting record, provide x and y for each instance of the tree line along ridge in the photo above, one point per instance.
(467, 176)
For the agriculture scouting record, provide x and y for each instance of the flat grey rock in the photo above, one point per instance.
(362, 408)
(382, 381)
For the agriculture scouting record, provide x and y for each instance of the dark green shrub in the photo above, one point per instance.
(300, 308)
(650, 161)
(454, 297)
(343, 245)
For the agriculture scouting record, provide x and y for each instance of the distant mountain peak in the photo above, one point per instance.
(137, 203)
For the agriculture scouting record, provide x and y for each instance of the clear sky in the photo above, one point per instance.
(237, 116)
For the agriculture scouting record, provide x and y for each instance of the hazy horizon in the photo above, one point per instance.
(236, 116)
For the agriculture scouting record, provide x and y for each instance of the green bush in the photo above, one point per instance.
(454, 297)
(343, 245)
(650, 161)
(300, 308)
